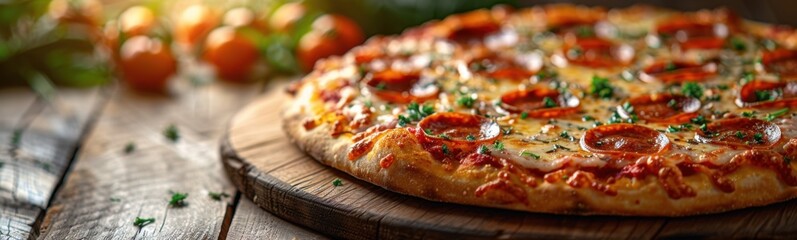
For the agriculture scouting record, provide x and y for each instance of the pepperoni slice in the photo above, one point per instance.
(400, 87)
(540, 102)
(763, 94)
(691, 34)
(624, 139)
(504, 68)
(672, 72)
(780, 61)
(459, 128)
(663, 108)
(561, 18)
(597, 53)
(740, 132)
(367, 53)
(472, 26)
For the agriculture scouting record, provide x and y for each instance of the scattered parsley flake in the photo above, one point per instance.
(672, 104)
(758, 138)
(507, 131)
(381, 86)
(548, 102)
(178, 199)
(673, 129)
(776, 114)
(498, 145)
(141, 222)
(217, 195)
(763, 96)
(444, 148)
(749, 114)
(369, 104)
(115, 199)
(337, 182)
(171, 133)
(525, 153)
(483, 149)
(524, 115)
(403, 121)
(747, 76)
(739, 135)
(738, 44)
(444, 136)
(587, 118)
(670, 66)
(16, 137)
(601, 87)
(130, 147)
(466, 101)
(470, 138)
(691, 89)
(698, 120)
(704, 128)
(427, 131)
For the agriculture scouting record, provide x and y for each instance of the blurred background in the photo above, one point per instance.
(148, 44)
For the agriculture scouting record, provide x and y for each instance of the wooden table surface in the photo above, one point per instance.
(65, 174)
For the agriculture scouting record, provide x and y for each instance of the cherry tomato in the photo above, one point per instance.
(231, 53)
(87, 12)
(285, 17)
(330, 35)
(346, 30)
(146, 63)
(315, 45)
(136, 20)
(194, 23)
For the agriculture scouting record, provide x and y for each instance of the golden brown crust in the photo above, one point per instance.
(398, 162)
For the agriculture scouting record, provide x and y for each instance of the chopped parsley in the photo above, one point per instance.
(178, 199)
(445, 150)
(574, 52)
(525, 153)
(691, 89)
(738, 44)
(130, 147)
(427, 131)
(749, 114)
(524, 115)
(704, 128)
(470, 138)
(381, 86)
(337, 182)
(403, 121)
(557, 147)
(747, 76)
(171, 133)
(16, 137)
(601, 87)
(483, 150)
(672, 104)
(758, 138)
(507, 131)
(739, 135)
(444, 136)
(498, 145)
(698, 120)
(673, 129)
(548, 102)
(763, 96)
(776, 114)
(587, 118)
(584, 31)
(670, 66)
(567, 136)
(466, 101)
(217, 195)
(141, 222)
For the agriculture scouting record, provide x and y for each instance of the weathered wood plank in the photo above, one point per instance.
(108, 188)
(251, 222)
(46, 134)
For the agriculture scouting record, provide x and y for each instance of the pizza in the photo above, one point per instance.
(563, 109)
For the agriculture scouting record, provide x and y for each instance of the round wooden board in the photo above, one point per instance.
(277, 176)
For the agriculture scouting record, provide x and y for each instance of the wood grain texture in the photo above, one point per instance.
(109, 188)
(46, 133)
(278, 177)
(251, 222)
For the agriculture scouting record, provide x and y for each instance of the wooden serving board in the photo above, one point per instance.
(267, 168)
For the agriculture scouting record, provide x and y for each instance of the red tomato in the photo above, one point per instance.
(330, 35)
(347, 31)
(194, 23)
(136, 20)
(315, 45)
(285, 17)
(231, 53)
(146, 63)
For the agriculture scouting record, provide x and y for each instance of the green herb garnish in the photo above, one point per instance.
(178, 199)
(130, 147)
(601, 87)
(691, 89)
(483, 150)
(548, 102)
(525, 153)
(524, 115)
(337, 182)
(466, 101)
(217, 195)
(776, 114)
(470, 138)
(403, 121)
(498, 145)
(171, 133)
(141, 222)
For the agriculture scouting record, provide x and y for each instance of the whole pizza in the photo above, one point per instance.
(564, 109)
